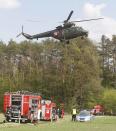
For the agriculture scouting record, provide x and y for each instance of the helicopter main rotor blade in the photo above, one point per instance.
(87, 20)
(69, 16)
(32, 21)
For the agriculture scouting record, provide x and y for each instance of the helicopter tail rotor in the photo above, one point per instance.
(25, 35)
(20, 33)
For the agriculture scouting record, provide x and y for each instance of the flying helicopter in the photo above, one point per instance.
(68, 30)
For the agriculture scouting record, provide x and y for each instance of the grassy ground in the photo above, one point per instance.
(99, 124)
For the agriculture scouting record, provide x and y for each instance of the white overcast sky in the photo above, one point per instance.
(15, 13)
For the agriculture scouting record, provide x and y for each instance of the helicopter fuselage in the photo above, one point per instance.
(61, 34)
(69, 33)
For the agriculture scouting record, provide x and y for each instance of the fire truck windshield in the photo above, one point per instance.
(34, 101)
(16, 103)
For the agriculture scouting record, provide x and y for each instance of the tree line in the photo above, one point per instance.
(67, 73)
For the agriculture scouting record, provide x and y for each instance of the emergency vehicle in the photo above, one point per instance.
(98, 110)
(22, 106)
(48, 110)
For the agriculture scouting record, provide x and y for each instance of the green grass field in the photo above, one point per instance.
(99, 124)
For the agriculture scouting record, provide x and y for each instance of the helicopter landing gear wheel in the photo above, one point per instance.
(82, 38)
(86, 35)
(61, 41)
(67, 42)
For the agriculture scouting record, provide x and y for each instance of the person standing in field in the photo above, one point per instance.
(74, 112)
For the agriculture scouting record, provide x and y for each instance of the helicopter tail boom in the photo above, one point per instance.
(27, 36)
(41, 35)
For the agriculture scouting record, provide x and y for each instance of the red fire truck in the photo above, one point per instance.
(98, 110)
(48, 110)
(22, 106)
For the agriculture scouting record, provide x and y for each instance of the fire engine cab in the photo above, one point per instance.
(22, 106)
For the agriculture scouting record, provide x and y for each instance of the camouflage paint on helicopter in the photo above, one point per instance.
(63, 32)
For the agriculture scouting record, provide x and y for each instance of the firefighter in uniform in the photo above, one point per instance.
(74, 112)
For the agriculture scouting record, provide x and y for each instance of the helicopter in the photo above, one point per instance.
(65, 32)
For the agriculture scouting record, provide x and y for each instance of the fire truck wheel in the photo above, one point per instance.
(23, 121)
(4, 121)
(16, 121)
(28, 121)
(8, 119)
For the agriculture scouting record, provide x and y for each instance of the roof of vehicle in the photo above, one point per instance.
(84, 113)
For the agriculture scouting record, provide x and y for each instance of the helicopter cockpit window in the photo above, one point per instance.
(71, 29)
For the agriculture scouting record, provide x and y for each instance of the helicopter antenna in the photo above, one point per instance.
(69, 17)
(21, 32)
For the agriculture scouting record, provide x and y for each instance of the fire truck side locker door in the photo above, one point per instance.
(7, 101)
(43, 111)
(25, 105)
(22, 105)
